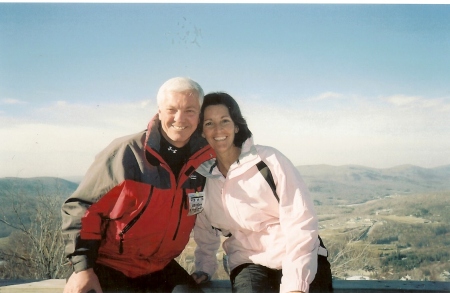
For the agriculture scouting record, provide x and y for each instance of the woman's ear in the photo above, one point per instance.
(236, 129)
(203, 135)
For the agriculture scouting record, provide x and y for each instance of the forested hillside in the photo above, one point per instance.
(378, 223)
(32, 246)
(18, 196)
(334, 185)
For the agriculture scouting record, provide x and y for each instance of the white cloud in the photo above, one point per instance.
(50, 150)
(62, 139)
(8, 101)
(440, 104)
(61, 103)
(356, 130)
(402, 100)
(108, 115)
(327, 96)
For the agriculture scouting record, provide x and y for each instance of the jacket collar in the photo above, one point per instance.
(153, 140)
(247, 159)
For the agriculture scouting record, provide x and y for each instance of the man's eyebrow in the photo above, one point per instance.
(191, 107)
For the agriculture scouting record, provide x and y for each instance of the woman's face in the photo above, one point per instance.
(218, 128)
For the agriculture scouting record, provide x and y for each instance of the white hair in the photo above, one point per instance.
(179, 84)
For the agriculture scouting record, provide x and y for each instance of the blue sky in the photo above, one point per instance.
(325, 84)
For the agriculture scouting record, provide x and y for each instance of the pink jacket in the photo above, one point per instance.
(278, 235)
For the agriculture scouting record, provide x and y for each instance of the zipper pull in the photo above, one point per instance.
(185, 199)
(121, 243)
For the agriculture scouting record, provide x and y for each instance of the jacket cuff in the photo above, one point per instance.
(81, 263)
(85, 255)
(202, 273)
(300, 286)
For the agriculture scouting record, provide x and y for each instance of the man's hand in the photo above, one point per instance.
(83, 282)
(200, 277)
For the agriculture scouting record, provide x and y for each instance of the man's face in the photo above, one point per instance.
(179, 115)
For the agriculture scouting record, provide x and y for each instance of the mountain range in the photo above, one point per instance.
(351, 184)
(19, 197)
(347, 184)
(328, 185)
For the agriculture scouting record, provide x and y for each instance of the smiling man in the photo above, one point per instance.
(133, 212)
(179, 115)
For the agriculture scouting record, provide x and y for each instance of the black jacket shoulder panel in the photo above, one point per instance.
(195, 181)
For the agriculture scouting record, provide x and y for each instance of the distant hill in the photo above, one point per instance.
(22, 192)
(29, 185)
(75, 179)
(329, 185)
(349, 184)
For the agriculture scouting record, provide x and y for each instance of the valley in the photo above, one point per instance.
(384, 224)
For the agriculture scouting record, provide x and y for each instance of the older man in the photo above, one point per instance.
(135, 208)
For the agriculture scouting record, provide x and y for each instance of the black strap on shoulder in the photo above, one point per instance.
(322, 245)
(265, 172)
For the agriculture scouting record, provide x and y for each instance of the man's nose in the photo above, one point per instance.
(179, 116)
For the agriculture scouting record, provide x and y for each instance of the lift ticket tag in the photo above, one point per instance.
(196, 201)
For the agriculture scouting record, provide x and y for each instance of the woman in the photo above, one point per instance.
(272, 243)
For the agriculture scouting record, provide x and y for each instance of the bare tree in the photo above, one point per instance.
(347, 256)
(35, 249)
(350, 253)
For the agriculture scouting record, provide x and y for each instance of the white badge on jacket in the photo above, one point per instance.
(196, 201)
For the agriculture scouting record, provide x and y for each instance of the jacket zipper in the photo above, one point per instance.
(184, 200)
(184, 205)
(133, 221)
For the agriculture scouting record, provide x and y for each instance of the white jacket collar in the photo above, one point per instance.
(248, 158)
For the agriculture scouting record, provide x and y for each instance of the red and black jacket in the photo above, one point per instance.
(130, 212)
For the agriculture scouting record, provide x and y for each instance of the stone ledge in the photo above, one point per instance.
(47, 286)
(218, 286)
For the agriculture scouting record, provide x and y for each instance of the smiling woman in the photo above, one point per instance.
(256, 210)
(219, 130)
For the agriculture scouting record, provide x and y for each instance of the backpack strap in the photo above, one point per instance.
(322, 249)
(265, 172)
